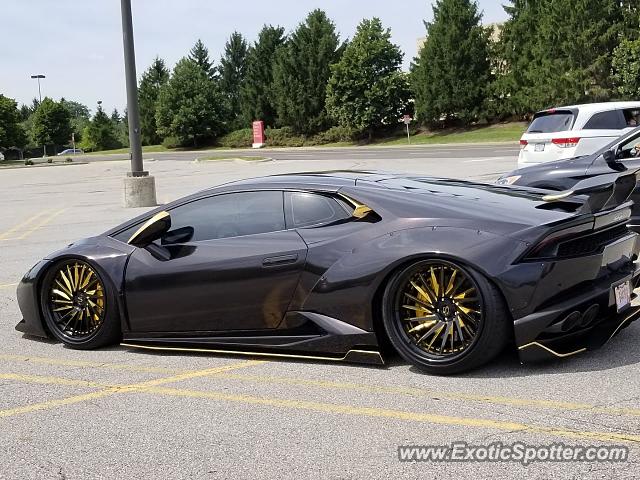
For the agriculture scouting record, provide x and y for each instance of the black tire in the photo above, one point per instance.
(459, 351)
(79, 306)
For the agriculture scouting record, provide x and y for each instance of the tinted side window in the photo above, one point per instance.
(310, 209)
(611, 120)
(631, 117)
(229, 215)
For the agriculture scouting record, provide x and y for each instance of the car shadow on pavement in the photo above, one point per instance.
(620, 351)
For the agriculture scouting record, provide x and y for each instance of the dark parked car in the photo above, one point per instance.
(621, 155)
(333, 265)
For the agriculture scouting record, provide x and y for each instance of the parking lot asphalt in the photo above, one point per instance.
(122, 413)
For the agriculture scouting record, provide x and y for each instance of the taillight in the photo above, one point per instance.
(566, 142)
(523, 143)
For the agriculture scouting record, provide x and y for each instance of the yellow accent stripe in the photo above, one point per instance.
(20, 226)
(553, 352)
(123, 389)
(397, 415)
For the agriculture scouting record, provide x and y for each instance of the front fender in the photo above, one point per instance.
(347, 289)
(109, 256)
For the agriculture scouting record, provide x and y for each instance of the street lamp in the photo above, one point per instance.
(139, 187)
(38, 77)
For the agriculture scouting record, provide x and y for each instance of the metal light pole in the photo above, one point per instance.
(139, 187)
(38, 77)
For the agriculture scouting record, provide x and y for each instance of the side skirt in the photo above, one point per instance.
(352, 356)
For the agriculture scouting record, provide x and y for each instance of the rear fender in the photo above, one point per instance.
(346, 290)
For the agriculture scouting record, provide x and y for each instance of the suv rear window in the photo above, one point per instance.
(549, 122)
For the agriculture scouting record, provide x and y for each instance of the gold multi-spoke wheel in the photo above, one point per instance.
(440, 309)
(443, 317)
(74, 301)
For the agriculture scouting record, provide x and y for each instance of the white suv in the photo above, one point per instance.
(567, 132)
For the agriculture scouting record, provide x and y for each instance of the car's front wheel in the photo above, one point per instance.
(79, 307)
(443, 317)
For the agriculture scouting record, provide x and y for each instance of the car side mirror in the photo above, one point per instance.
(152, 230)
(609, 156)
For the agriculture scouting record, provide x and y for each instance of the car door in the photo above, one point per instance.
(227, 264)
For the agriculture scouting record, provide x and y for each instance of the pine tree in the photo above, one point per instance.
(233, 69)
(573, 51)
(190, 106)
(153, 79)
(115, 116)
(302, 71)
(101, 133)
(514, 89)
(452, 71)
(200, 55)
(630, 11)
(256, 92)
(367, 90)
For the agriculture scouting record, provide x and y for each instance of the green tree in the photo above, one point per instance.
(631, 19)
(574, 47)
(153, 79)
(80, 116)
(200, 55)
(626, 68)
(257, 90)
(301, 73)
(514, 88)
(51, 124)
(232, 70)
(190, 106)
(101, 133)
(11, 132)
(452, 71)
(367, 90)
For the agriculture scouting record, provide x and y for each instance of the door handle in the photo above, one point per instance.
(280, 260)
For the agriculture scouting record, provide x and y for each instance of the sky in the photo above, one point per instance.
(77, 44)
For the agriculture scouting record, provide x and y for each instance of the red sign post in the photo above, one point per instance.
(258, 134)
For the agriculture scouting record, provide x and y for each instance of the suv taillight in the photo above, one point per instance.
(566, 142)
(523, 143)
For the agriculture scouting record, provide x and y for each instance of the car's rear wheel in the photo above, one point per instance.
(443, 317)
(79, 307)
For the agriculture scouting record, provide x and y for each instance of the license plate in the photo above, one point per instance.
(538, 147)
(623, 295)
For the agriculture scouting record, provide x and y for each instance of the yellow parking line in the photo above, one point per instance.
(81, 363)
(417, 392)
(396, 414)
(123, 389)
(154, 387)
(7, 285)
(45, 380)
(41, 223)
(26, 223)
(363, 387)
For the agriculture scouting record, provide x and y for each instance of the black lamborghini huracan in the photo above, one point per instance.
(334, 265)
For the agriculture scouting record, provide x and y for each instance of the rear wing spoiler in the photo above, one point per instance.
(603, 192)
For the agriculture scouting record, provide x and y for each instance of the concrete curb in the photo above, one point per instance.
(233, 159)
(39, 165)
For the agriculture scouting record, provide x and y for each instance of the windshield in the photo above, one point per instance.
(549, 122)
